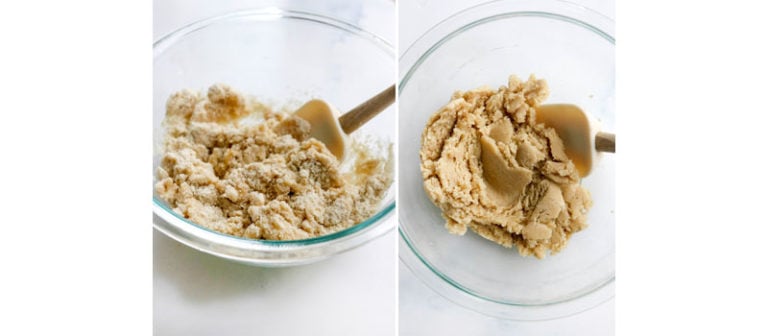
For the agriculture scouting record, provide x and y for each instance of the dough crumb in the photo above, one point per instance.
(261, 180)
(491, 168)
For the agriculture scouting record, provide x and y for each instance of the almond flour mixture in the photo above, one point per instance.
(265, 179)
(489, 166)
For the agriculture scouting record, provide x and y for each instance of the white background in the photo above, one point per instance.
(423, 311)
(351, 294)
(75, 82)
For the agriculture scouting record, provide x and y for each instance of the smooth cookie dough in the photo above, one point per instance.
(489, 166)
(263, 179)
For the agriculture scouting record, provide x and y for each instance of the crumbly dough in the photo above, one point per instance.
(489, 166)
(261, 180)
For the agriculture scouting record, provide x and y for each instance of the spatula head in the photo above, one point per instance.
(574, 128)
(324, 126)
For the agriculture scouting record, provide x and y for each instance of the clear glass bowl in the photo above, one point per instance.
(283, 57)
(573, 49)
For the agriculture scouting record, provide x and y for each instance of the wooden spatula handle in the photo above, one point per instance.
(359, 115)
(605, 142)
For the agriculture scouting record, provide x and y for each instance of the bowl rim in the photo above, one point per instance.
(266, 14)
(413, 57)
(174, 225)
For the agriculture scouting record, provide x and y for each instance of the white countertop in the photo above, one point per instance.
(351, 294)
(199, 294)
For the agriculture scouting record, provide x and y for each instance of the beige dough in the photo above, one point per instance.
(263, 179)
(489, 166)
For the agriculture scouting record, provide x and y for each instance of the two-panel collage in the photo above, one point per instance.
(378, 167)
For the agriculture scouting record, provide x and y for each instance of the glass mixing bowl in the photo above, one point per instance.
(284, 57)
(573, 49)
